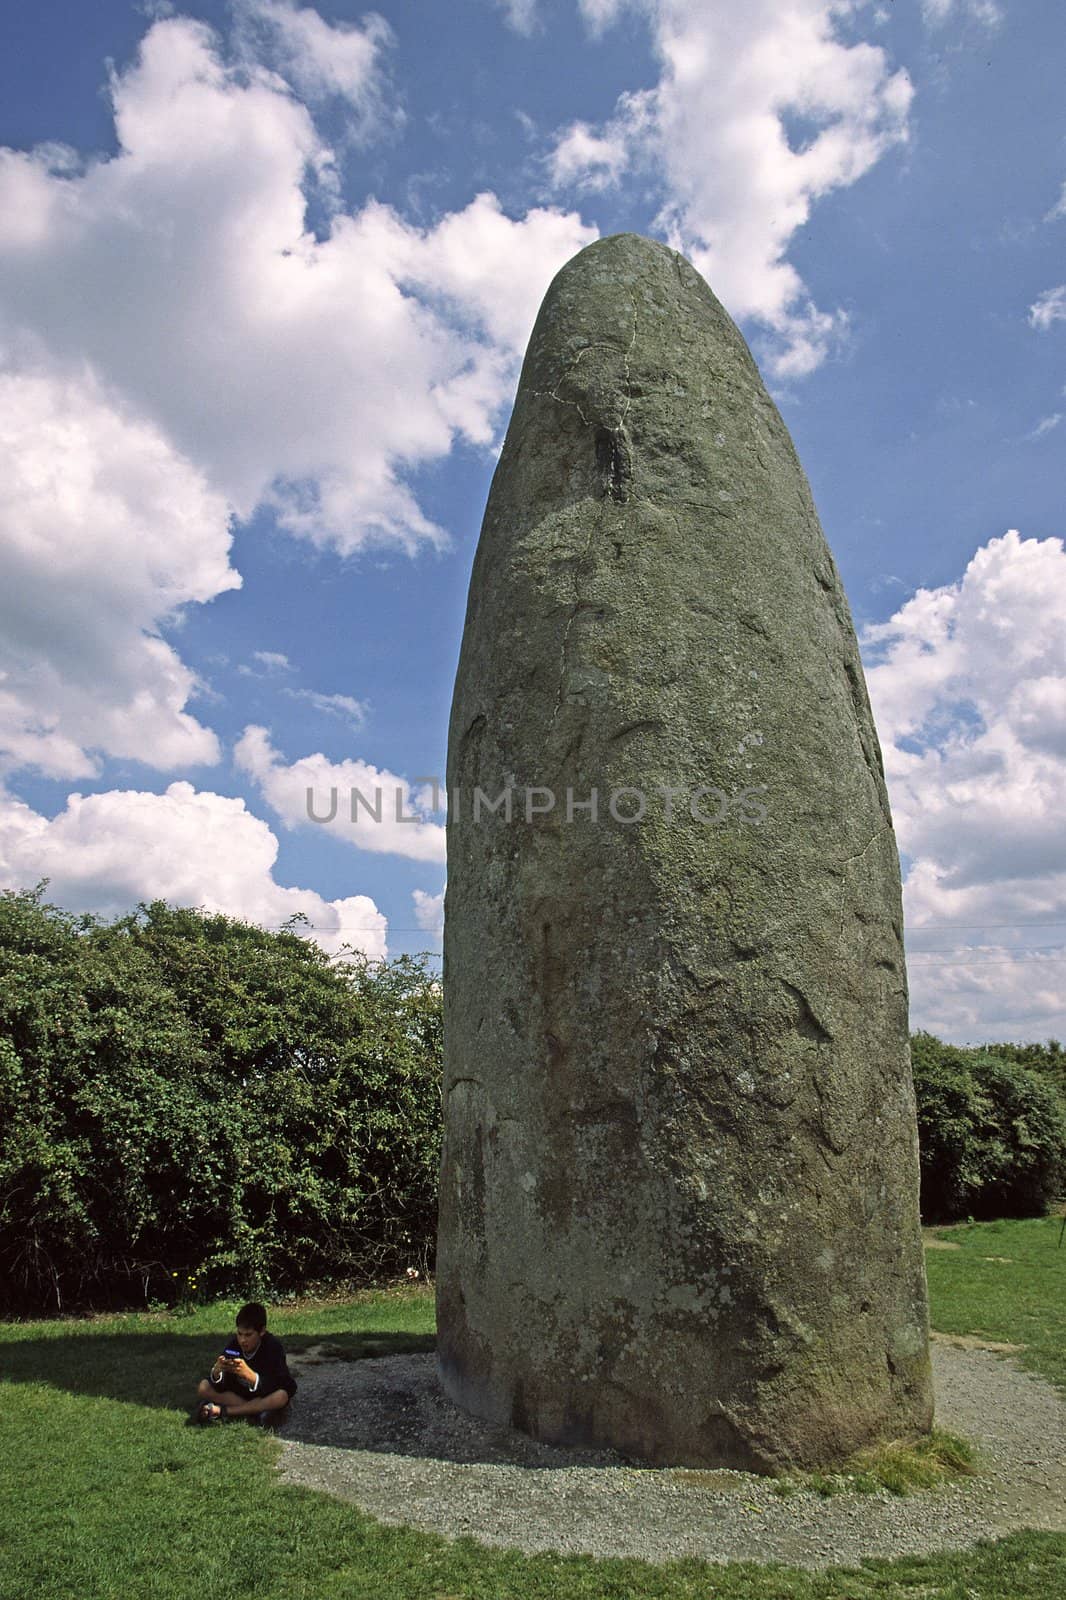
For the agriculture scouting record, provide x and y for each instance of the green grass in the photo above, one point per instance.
(105, 1494)
(1006, 1282)
(901, 1466)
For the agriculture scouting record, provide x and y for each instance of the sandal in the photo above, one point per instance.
(208, 1412)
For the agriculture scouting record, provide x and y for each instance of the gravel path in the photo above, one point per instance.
(381, 1433)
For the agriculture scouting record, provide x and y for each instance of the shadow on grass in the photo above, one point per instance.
(162, 1369)
(398, 1411)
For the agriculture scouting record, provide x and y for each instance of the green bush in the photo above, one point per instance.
(189, 1102)
(992, 1135)
(189, 1098)
(1048, 1061)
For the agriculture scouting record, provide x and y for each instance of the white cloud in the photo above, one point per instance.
(315, 792)
(429, 910)
(332, 705)
(489, 271)
(273, 663)
(1048, 307)
(320, 58)
(521, 14)
(760, 111)
(1059, 208)
(968, 683)
(599, 14)
(176, 347)
(938, 12)
(106, 532)
(592, 160)
(1045, 426)
(990, 992)
(107, 852)
(305, 372)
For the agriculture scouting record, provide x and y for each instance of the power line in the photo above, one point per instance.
(951, 949)
(929, 966)
(967, 927)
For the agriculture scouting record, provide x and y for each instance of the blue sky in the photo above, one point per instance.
(266, 275)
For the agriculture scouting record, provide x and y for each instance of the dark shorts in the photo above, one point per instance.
(232, 1385)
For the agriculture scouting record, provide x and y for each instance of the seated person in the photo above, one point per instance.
(256, 1382)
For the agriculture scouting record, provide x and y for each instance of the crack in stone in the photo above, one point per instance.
(562, 673)
(846, 863)
(550, 394)
(627, 374)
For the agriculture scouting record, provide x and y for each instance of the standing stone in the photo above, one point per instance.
(679, 1189)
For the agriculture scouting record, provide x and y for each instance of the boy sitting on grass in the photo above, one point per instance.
(251, 1378)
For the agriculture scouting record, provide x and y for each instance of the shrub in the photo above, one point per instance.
(186, 1096)
(1048, 1061)
(992, 1135)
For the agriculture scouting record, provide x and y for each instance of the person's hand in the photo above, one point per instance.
(242, 1370)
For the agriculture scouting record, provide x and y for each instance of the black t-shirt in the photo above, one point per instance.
(270, 1364)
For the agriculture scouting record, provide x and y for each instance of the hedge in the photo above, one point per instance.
(189, 1099)
(992, 1134)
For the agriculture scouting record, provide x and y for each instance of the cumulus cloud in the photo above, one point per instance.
(429, 910)
(759, 112)
(303, 372)
(106, 852)
(982, 993)
(365, 806)
(590, 160)
(106, 532)
(322, 59)
(178, 347)
(1047, 308)
(489, 272)
(968, 684)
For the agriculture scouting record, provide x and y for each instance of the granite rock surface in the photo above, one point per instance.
(679, 1188)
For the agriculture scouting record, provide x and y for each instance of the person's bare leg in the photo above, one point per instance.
(257, 1403)
(225, 1399)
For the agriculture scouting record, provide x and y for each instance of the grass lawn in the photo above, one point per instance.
(104, 1492)
(1006, 1281)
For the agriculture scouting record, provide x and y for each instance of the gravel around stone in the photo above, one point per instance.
(381, 1433)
